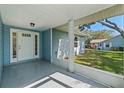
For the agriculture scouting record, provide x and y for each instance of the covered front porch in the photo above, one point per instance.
(39, 73)
(38, 48)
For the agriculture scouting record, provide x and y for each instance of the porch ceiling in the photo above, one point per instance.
(46, 16)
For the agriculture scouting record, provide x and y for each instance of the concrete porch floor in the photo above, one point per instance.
(43, 74)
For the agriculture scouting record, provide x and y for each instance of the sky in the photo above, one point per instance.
(119, 20)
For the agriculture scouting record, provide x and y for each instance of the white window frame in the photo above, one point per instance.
(38, 49)
(12, 60)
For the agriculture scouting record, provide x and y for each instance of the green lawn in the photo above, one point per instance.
(111, 61)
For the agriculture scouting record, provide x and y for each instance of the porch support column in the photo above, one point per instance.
(71, 45)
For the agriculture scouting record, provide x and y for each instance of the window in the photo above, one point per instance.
(63, 49)
(107, 45)
(26, 35)
(14, 44)
(75, 42)
(36, 50)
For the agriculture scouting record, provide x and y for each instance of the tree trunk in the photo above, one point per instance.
(113, 26)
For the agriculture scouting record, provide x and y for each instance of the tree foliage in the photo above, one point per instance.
(105, 22)
(100, 34)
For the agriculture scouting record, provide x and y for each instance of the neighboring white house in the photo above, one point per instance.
(96, 43)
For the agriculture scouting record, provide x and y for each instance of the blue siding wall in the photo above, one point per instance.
(116, 41)
(56, 35)
(40, 46)
(46, 45)
(6, 38)
(1, 49)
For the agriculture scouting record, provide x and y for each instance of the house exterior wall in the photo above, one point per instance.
(116, 42)
(6, 43)
(56, 35)
(40, 45)
(1, 48)
(46, 45)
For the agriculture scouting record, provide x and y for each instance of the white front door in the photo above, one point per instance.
(26, 45)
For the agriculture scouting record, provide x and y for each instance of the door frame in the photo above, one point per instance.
(13, 60)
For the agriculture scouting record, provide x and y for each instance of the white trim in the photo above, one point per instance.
(36, 56)
(51, 45)
(104, 45)
(17, 40)
(11, 48)
(110, 44)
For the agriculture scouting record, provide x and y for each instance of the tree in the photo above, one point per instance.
(112, 25)
(100, 34)
(107, 23)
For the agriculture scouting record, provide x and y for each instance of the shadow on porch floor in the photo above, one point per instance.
(43, 74)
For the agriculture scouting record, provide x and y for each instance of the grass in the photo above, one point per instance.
(111, 61)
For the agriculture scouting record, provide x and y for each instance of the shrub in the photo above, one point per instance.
(117, 48)
(114, 49)
(121, 48)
